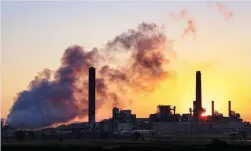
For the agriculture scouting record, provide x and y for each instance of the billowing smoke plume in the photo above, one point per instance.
(62, 95)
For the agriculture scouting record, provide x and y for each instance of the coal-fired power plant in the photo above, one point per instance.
(67, 93)
(164, 121)
(92, 93)
(198, 101)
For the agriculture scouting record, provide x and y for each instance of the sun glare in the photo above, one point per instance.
(204, 114)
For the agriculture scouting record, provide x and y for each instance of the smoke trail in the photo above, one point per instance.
(63, 95)
(227, 15)
(190, 28)
(185, 15)
(182, 14)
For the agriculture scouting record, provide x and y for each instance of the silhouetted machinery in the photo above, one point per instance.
(232, 114)
(165, 110)
(164, 113)
(217, 114)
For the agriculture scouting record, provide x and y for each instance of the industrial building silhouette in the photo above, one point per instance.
(164, 123)
(124, 120)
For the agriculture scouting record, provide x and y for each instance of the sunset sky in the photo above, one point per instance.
(35, 35)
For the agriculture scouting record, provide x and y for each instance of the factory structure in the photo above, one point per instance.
(164, 123)
(166, 120)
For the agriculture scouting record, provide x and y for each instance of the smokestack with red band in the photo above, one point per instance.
(229, 108)
(212, 108)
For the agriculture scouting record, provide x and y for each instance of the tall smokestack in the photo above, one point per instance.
(229, 108)
(92, 77)
(212, 108)
(198, 93)
(194, 108)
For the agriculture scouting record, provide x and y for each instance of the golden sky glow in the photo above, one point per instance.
(221, 50)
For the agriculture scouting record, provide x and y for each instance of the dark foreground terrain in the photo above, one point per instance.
(191, 144)
(141, 148)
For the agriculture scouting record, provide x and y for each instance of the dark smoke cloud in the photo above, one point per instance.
(62, 95)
